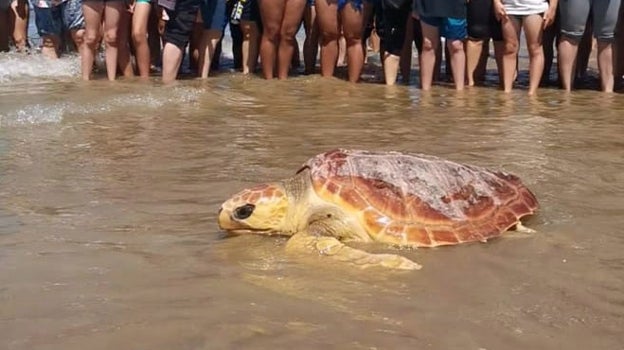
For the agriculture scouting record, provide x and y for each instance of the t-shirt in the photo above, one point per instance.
(525, 7)
(440, 8)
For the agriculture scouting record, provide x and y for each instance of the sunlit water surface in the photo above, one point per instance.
(109, 194)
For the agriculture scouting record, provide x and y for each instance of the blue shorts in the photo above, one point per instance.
(53, 20)
(357, 4)
(213, 14)
(450, 28)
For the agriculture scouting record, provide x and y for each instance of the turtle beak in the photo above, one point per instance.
(225, 220)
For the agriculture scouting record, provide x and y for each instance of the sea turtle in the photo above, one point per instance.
(407, 200)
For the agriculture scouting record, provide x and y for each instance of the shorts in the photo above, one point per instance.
(357, 4)
(450, 28)
(180, 24)
(251, 11)
(574, 15)
(481, 21)
(394, 26)
(213, 14)
(53, 20)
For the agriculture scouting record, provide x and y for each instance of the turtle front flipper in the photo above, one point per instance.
(333, 248)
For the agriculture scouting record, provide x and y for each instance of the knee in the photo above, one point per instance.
(535, 49)
(91, 38)
(328, 36)
(79, 37)
(353, 38)
(110, 37)
(455, 46)
(272, 32)
(511, 47)
(139, 36)
(428, 45)
(288, 34)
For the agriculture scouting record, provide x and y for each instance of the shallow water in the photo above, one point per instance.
(109, 194)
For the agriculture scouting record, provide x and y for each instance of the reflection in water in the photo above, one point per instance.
(108, 233)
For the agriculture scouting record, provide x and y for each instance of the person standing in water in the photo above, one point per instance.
(280, 21)
(14, 24)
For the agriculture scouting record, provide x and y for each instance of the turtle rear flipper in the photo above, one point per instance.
(334, 249)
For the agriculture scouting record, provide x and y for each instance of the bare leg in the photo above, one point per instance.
(511, 33)
(327, 14)
(139, 37)
(458, 62)
(172, 58)
(50, 46)
(210, 38)
(19, 19)
(342, 51)
(352, 27)
(78, 39)
(431, 41)
(272, 13)
(474, 49)
(112, 17)
(251, 35)
(605, 65)
(92, 11)
(290, 24)
(533, 32)
(567, 60)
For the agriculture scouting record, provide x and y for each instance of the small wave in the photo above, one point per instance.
(54, 112)
(16, 66)
(34, 114)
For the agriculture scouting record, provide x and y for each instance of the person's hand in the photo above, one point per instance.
(499, 10)
(415, 15)
(549, 16)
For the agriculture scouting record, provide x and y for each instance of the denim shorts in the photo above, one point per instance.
(53, 20)
(213, 14)
(450, 28)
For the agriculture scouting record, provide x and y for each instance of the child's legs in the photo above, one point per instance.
(18, 17)
(251, 34)
(210, 38)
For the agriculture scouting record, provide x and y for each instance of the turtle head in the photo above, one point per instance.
(260, 209)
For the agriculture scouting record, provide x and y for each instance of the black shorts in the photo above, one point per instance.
(482, 23)
(180, 24)
(394, 24)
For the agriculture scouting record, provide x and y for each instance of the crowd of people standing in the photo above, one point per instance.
(139, 35)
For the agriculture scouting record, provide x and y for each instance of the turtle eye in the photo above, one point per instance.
(244, 211)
